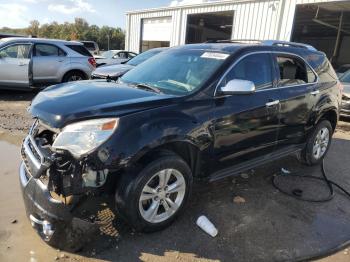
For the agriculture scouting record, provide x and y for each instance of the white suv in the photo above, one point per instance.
(33, 62)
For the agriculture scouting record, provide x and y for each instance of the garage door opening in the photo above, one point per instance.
(156, 32)
(326, 26)
(209, 27)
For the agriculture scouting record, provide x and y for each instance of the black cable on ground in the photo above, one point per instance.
(298, 193)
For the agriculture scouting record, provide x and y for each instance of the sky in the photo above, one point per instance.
(18, 13)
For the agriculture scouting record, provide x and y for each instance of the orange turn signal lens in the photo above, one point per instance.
(109, 125)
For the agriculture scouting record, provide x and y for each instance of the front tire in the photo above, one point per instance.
(317, 144)
(152, 199)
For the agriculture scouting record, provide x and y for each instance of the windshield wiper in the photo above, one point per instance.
(149, 87)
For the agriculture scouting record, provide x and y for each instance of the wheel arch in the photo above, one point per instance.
(74, 70)
(189, 152)
(330, 115)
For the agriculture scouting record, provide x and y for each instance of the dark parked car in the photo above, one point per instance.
(345, 106)
(343, 69)
(204, 111)
(113, 72)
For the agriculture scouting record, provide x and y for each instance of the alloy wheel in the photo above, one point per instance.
(75, 78)
(162, 195)
(321, 143)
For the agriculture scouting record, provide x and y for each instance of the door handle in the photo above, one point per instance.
(21, 64)
(316, 92)
(273, 103)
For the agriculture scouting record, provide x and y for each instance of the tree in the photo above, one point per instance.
(33, 28)
(79, 30)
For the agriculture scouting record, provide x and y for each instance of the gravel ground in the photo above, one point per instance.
(14, 119)
(18, 240)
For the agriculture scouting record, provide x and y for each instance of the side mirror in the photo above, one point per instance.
(238, 86)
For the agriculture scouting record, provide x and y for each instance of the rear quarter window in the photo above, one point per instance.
(89, 45)
(80, 49)
(322, 67)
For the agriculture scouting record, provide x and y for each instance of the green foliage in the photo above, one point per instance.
(79, 30)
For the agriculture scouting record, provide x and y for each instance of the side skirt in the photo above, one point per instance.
(237, 169)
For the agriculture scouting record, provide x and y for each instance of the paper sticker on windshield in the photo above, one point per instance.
(213, 55)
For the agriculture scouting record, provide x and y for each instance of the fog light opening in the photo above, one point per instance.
(46, 226)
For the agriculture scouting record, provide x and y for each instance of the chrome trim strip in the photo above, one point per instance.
(33, 219)
(32, 141)
(268, 52)
(29, 152)
(22, 175)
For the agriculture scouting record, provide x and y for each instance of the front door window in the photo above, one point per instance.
(20, 51)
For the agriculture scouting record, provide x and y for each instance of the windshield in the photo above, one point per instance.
(345, 78)
(143, 57)
(176, 71)
(108, 54)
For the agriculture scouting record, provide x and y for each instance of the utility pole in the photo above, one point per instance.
(337, 43)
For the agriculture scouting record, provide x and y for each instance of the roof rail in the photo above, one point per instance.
(266, 42)
(286, 43)
(235, 41)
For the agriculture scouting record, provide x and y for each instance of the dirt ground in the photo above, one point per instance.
(19, 242)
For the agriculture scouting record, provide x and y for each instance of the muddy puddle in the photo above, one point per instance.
(18, 241)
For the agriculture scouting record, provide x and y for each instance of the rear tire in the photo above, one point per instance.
(73, 76)
(317, 145)
(150, 190)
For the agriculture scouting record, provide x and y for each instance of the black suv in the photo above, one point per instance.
(204, 111)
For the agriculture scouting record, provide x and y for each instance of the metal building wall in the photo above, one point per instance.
(253, 19)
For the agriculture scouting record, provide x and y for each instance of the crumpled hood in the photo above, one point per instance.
(74, 101)
(112, 70)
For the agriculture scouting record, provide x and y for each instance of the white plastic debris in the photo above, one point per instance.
(208, 227)
(245, 175)
(285, 171)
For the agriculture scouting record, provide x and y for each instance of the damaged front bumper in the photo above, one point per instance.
(45, 213)
(44, 191)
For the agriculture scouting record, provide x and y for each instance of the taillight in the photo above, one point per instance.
(92, 61)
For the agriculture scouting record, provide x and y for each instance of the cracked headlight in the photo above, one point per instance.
(85, 136)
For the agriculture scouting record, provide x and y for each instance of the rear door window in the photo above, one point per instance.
(47, 50)
(256, 68)
(294, 71)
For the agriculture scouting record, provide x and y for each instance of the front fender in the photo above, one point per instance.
(142, 132)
